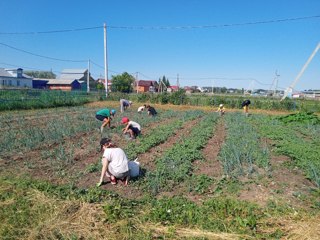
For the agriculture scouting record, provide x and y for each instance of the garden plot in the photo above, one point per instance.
(178, 151)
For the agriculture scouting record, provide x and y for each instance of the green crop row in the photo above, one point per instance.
(159, 135)
(289, 142)
(176, 163)
(242, 149)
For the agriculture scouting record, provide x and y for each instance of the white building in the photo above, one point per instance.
(13, 78)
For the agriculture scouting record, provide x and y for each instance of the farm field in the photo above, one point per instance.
(203, 176)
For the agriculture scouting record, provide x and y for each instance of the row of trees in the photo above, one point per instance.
(41, 74)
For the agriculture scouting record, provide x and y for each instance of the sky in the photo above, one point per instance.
(247, 44)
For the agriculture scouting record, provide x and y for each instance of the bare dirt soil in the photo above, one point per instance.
(211, 165)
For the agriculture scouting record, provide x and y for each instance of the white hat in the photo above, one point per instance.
(130, 102)
(221, 105)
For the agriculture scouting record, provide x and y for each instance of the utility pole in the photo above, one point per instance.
(88, 77)
(290, 88)
(105, 59)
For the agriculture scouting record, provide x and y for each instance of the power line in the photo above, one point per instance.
(51, 32)
(165, 27)
(213, 26)
(37, 55)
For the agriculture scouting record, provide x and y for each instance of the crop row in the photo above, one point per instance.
(176, 163)
(55, 130)
(159, 135)
(289, 142)
(242, 149)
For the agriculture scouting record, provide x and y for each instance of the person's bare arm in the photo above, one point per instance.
(105, 164)
(106, 122)
(126, 128)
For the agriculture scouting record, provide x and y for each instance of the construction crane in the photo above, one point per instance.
(293, 84)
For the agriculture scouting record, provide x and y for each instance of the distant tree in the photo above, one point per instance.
(100, 86)
(41, 74)
(165, 81)
(122, 83)
(223, 90)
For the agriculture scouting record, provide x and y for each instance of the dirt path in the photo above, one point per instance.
(147, 159)
(211, 165)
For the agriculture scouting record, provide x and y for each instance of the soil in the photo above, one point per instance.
(286, 185)
(211, 165)
(147, 162)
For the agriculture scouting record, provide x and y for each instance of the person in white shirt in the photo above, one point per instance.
(133, 128)
(141, 108)
(114, 163)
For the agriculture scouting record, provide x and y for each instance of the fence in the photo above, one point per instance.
(36, 98)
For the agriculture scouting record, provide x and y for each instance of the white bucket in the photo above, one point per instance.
(134, 167)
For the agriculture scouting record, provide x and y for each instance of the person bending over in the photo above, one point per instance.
(114, 163)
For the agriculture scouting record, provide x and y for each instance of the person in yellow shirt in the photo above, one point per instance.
(221, 110)
(245, 104)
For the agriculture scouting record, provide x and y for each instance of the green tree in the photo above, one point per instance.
(165, 81)
(100, 86)
(122, 83)
(41, 74)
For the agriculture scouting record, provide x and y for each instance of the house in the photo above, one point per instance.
(173, 89)
(296, 95)
(14, 78)
(39, 83)
(146, 86)
(63, 84)
(81, 75)
(188, 90)
(311, 94)
(102, 81)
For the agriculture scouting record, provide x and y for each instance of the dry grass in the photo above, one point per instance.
(295, 227)
(304, 229)
(68, 218)
(179, 233)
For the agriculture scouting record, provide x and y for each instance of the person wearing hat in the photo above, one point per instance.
(133, 128)
(115, 164)
(124, 104)
(221, 110)
(104, 115)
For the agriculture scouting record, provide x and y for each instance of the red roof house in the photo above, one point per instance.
(146, 86)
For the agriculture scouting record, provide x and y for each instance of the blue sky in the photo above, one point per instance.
(240, 56)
